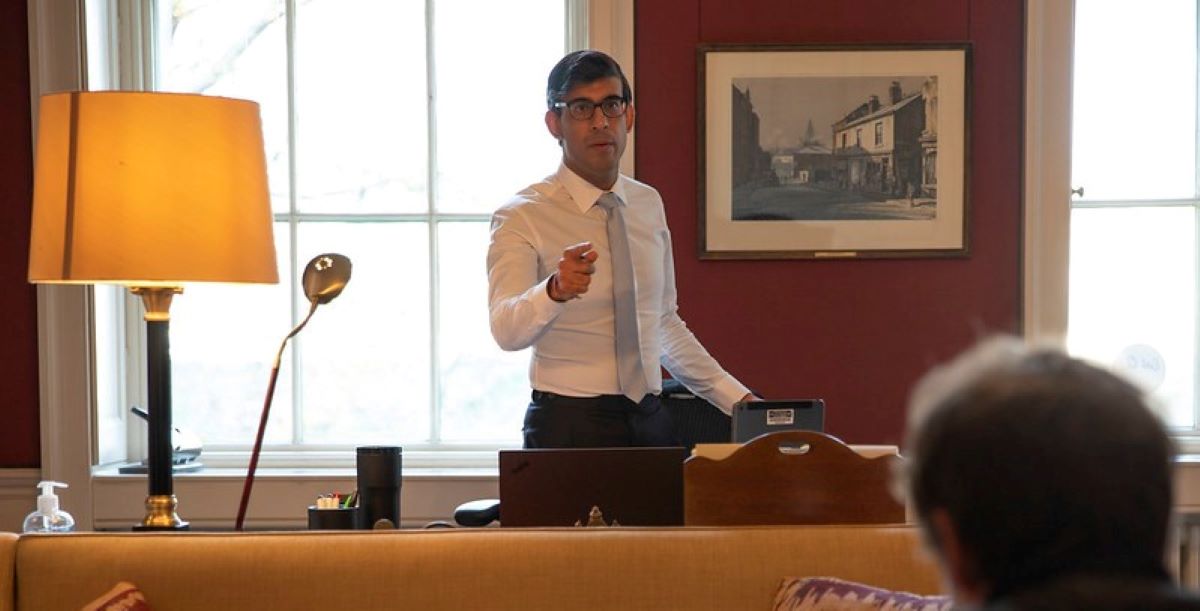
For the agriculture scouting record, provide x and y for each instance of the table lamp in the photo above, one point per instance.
(151, 191)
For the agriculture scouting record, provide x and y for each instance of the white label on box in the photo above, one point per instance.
(778, 417)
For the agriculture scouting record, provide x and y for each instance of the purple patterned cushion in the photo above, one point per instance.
(122, 597)
(830, 594)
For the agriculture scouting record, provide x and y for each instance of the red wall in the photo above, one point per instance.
(856, 333)
(18, 302)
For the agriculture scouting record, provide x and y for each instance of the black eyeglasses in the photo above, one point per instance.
(583, 109)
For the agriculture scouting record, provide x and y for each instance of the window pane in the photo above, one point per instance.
(233, 49)
(484, 389)
(1133, 299)
(1134, 131)
(111, 407)
(364, 358)
(223, 340)
(491, 98)
(361, 106)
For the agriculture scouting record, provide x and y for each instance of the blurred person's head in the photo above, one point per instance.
(1025, 465)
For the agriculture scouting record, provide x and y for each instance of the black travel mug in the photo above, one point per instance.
(378, 485)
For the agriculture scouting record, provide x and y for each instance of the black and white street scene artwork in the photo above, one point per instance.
(834, 148)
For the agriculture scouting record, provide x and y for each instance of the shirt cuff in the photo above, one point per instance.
(728, 391)
(539, 297)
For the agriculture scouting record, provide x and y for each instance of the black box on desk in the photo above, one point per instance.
(559, 487)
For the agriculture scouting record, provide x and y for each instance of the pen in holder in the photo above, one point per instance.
(378, 486)
(337, 518)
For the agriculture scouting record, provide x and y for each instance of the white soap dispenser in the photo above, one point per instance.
(49, 518)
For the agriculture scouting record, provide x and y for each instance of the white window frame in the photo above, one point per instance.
(1050, 32)
(1049, 40)
(67, 377)
(1047, 224)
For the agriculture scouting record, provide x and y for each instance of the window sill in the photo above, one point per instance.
(208, 498)
(207, 473)
(1187, 483)
(413, 459)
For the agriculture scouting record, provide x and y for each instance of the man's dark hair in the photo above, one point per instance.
(581, 68)
(1046, 465)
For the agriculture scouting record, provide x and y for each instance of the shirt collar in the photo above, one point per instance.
(584, 193)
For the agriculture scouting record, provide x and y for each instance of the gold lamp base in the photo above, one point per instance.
(160, 514)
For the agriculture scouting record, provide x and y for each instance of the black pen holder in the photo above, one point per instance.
(340, 518)
(378, 486)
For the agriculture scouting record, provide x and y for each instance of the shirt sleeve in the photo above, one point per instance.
(684, 357)
(521, 310)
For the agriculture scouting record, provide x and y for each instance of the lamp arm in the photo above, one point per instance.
(262, 421)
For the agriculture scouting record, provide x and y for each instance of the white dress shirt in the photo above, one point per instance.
(574, 349)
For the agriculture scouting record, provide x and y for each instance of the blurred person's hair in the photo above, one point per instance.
(1046, 466)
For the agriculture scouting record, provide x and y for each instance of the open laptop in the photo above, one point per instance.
(754, 418)
(559, 487)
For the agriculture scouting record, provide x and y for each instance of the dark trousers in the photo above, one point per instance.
(607, 421)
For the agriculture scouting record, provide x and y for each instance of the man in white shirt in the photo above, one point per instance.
(580, 268)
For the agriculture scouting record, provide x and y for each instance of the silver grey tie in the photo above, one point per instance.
(630, 372)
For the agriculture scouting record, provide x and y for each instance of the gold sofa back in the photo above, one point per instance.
(491, 568)
(8, 557)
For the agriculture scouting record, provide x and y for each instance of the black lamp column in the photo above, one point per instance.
(161, 501)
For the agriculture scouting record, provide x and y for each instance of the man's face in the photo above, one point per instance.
(592, 148)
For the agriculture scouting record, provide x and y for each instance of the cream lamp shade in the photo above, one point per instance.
(150, 189)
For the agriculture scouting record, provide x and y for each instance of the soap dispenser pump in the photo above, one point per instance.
(49, 518)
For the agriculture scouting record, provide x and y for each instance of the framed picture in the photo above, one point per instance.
(814, 152)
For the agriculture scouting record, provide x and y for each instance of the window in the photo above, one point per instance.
(878, 133)
(393, 129)
(1134, 218)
